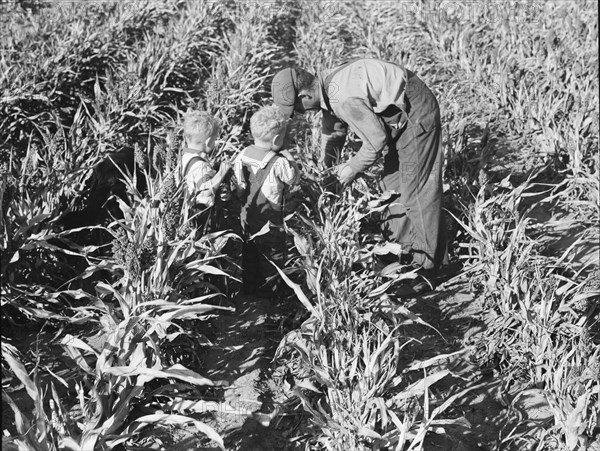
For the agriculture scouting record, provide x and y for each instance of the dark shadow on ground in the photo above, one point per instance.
(241, 354)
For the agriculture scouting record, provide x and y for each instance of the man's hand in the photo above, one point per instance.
(345, 173)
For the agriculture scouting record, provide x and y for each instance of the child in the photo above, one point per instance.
(200, 132)
(262, 171)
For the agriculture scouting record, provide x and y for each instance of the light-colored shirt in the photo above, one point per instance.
(357, 93)
(198, 177)
(282, 173)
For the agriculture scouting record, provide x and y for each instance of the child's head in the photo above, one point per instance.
(268, 126)
(200, 130)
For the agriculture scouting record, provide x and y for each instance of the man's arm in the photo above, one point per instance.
(333, 137)
(370, 129)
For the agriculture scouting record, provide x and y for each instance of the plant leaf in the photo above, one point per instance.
(299, 293)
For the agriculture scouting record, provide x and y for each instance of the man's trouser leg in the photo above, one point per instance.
(415, 172)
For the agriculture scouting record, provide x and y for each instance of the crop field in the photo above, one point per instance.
(123, 322)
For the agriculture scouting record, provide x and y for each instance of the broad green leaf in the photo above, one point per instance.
(70, 340)
(199, 266)
(366, 432)
(308, 385)
(299, 293)
(419, 365)
(176, 371)
(78, 357)
(576, 422)
(19, 370)
(21, 421)
(191, 311)
(418, 388)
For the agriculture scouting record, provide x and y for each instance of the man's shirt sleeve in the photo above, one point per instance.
(369, 128)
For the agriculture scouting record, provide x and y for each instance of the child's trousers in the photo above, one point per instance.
(257, 251)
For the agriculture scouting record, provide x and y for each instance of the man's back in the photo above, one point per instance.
(378, 82)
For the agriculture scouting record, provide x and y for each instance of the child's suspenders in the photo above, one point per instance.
(259, 179)
(254, 189)
(188, 195)
(190, 162)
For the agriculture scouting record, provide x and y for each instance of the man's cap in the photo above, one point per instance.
(284, 90)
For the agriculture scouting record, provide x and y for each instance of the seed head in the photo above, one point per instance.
(172, 153)
(119, 247)
(184, 231)
(140, 157)
(158, 156)
(148, 253)
(594, 368)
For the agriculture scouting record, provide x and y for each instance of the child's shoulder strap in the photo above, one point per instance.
(190, 162)
(253, 189)
(267, 170)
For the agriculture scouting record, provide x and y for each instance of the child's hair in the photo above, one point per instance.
(267, 122)
(199, 125)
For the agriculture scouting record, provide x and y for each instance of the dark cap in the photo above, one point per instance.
(284, 90)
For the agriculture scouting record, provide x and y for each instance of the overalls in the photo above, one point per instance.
(257, 211)
(202, 214)
(414, 217)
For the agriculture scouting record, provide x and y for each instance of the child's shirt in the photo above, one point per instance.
(281, 173)
(197, 174)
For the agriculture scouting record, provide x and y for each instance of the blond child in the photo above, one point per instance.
(262, 171)
(200, 131)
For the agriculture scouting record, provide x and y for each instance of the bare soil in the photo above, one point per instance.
(253, 412)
